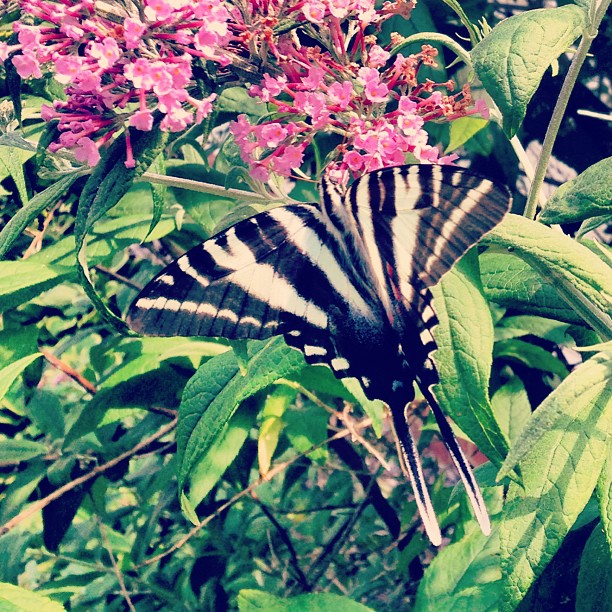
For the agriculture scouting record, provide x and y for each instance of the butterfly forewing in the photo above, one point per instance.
(346, 283)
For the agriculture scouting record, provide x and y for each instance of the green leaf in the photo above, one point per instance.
(216, 390)
(587, 195)
(211, 467)
(585, 380)
(250, 600)
(24, 216)
(11, 162)
(530, 355)
(108, 183)
(275, 406)
(465, 345)
(524, 325)
(561, 453)
(462, 129)
(512, 408)
(582, 279)
(594, 590)
(13, 451)
(512, 59)
(9, 373)
(604, 493)
(236, 100)
(463, 577)
(16, 599)
(158, 194)
(20, 281)
(511, 282)
(306, 426)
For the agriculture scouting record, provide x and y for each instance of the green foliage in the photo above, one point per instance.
(198, 474)
(512, 59)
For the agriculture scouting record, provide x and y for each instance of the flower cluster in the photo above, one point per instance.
(377, 110)
(135, 66)
(119, 68)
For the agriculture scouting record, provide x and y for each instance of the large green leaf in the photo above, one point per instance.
(13, 451)
(604, 493)
(20, 281)
(512, 408)
(254, 601)
(216, 390)
(11, 163)
(594, 590)
(588, 195)
(465, 346)
(16, 599)
(561, 452)
(511, 282)
(464, 576)
(579, 275)
(10, 373)
(205, 475)
(108, 183)
(24, 216)
(512, 59)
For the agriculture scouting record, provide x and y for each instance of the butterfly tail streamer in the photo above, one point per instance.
(461, 463)
(411, 466)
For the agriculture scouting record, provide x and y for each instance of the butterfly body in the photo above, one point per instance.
(347, 283)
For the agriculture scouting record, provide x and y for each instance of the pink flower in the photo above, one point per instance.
(133, 29)
(67, 67)
(340, 94)
(291, 158)
(139, 72)
(157, 10)
(27, 65)
(314, 80)
(377, 56)
(107, 52)
(353, 160)
(176, 120)
(314, 11)
(142, 120)
(270, 135)
(87, 151)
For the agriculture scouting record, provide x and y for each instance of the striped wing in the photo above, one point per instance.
(275, 273)
(413, 223)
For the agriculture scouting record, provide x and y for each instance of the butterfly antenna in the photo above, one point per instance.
(460, 461)
(411, 466)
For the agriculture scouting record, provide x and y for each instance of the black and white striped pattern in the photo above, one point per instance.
(346, 283)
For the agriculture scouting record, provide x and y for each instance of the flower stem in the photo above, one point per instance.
(590, 32)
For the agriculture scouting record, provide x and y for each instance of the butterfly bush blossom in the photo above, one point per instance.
(132, 64)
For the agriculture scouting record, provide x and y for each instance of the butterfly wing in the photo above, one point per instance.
(275, 273)
(413, 223)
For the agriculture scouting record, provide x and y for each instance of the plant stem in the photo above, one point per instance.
(589, 34)
(429, 37)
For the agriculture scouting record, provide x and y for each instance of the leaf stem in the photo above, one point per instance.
(589, 34)
(442, 39)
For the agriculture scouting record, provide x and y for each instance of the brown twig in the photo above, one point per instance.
(69, 371)
(278, 469)
(116, 569)
(122, 279)
(284, 536)
(319, 565)
(45, 501)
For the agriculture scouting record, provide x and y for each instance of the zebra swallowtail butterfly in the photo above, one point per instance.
(347, 283)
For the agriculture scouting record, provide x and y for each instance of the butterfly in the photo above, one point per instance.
(347, 282)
